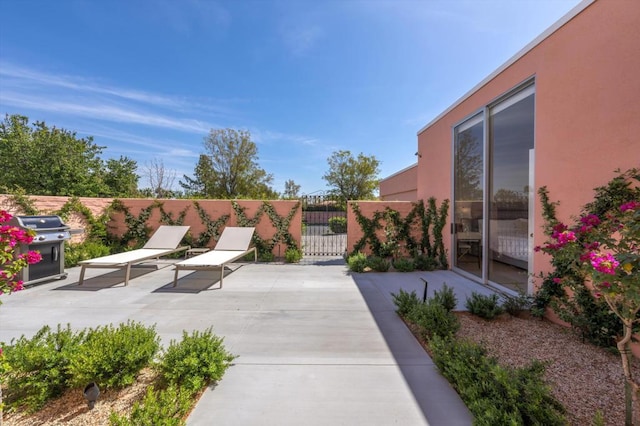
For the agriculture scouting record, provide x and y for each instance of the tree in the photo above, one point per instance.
(160, 179)
(352, 178)
(230, 169)
(120, 177)
(48, 161)
(291, 190)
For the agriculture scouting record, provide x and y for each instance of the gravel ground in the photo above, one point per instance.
(583, 378)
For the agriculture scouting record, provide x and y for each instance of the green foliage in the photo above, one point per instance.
(434, 320)
(487, 307)
(338, 224)
(352, 178)
(405, 302)
(293, 255)
(165, 407)
(53, 161)
(446, 297)
(19, 199)
(76, 252)
(229, 169)
(357, 262)
(112, 357)
(424, 262)
(516, 305)
(266, 256)
(496, 395)
(404, 264)
(194, 362)
(378, 264)
(39, 367)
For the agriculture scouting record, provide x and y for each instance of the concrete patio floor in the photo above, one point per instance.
(316, 345)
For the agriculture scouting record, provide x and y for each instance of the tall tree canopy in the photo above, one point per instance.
(52, 161)
(291, 190)
(352, 178)
(229, 168)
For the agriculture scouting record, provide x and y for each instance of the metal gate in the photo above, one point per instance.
(324, 226)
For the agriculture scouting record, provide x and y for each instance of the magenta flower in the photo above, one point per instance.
(605, 284)
(604, 263)
(631, 205)
(557, 280)
(32, 257)
(590, 220)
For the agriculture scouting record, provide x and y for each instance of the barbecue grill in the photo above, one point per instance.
(51, 233)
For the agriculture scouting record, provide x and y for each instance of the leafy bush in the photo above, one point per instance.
(112, 357)
(195, 361)
(516, 305)
(74, 253)
(357, 262)
(405, 302)
(425, 263)
(378, 264)
(404, 264)
(496, 395)
(338, 224)
(166, 407)
(293, 255)
(487, 307)
(38, 367)
(266, 256)
(434, 320)
(446, 297)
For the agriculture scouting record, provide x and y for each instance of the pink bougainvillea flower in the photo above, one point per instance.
(32, 257)
(597, 295)
(557, 280)
(631, 205)
(590, 220)
(604, 263)
(537, 248)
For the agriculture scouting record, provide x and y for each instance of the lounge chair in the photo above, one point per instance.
(163, 242)
(233, 244)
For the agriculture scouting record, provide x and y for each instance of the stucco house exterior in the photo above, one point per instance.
(564, 113)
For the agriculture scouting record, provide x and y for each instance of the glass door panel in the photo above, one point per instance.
(468, 194)
(511, 136)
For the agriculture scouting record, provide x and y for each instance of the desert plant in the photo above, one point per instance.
(357, 262)
(425, 262)
(195, 361)
(112, 357)
(487, 307)
(293, 255)
(164, 407)
(378, 264)
(446, 297)
(516, 305)
(338, 224)
(404, 264)
(434, 320)
(38, 367)
(405, 302)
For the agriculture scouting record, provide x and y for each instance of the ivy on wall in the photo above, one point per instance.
(21, 201)
(137, 229)
(213, 227)
(97, 225)
(399, 231)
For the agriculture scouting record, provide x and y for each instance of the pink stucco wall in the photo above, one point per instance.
(587, 103)
(214, 208)
(401, 186)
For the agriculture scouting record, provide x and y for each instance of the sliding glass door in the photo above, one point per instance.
(491, 174)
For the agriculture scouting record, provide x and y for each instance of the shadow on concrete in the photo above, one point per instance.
(195, 282)
(322, 260)
(110, 279)
(437, 399)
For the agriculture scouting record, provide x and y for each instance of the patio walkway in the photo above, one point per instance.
(316, 345)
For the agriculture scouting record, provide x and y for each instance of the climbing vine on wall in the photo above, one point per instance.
(21, 200)
(137, 229)
(399, 231)
(213, 227)
(97, 225)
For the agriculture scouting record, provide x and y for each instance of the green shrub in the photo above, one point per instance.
(74, 253)
(166, 407)
(378, 264)
(516, 305)
(357, 262)
(266, 256)
(195, 361)
(405, 302)
(496, 395)
(446, 297)
(487, 307)
(404, 264)
(293, 255)
(112, 357)
(38, 367)
(434, 320)
(425, 263)
(338, 224)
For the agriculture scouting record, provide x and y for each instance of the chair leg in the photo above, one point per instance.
(127, 274)
(82, 269)
(175, 277)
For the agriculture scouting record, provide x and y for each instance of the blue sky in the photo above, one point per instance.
(148, 79)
